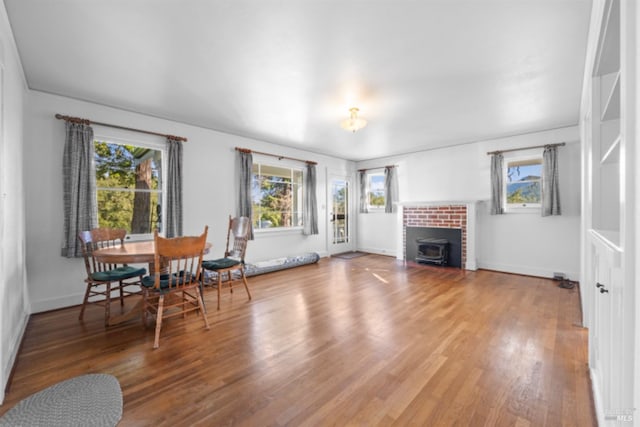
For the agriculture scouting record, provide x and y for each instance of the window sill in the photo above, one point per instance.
(375, 210)
(280, 231)
(523, 210)
(139, 237)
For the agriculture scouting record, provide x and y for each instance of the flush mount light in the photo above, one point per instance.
(353, 123)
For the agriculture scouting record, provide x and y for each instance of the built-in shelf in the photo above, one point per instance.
(610, 91)
(612, 154)
(609, 135)
(607, 243)
(608, 57)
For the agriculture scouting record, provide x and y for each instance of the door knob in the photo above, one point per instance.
(599, 285)
(604, 291)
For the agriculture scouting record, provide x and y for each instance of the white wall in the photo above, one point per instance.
(209, 195)
(522, 243)
(14, 303)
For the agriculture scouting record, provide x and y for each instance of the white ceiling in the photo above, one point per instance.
(425, 74)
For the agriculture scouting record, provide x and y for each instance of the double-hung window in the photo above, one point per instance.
(276, 196)
(129, 187)
(375, 191)
(523, 183)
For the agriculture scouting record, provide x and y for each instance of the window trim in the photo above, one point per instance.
(159, 146)
(285, 164)
(521, 207)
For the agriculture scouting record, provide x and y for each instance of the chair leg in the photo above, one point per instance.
(143, 315)
(121, 294)
(184, 305)
(201, 305)
(156, 342)
(85, 301)
(204, 307)
(219, 286)
(230, 280)
(246, 285)
(107, 304)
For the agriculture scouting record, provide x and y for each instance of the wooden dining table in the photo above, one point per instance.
(131, 253)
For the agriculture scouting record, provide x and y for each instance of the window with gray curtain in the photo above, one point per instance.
(244, 163)
(497, 184)
(173, 223)
(390, 189)
(79, 186)
(362, 177)
(310, 209)
(550, 185)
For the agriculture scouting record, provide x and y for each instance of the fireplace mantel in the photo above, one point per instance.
(458, 214)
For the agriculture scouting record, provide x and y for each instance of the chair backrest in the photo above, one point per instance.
(178, 260)
(239, 228)
(98, 238)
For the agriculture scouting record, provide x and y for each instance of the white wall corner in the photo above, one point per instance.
(16, 341)
(472, 260)
(399, 234)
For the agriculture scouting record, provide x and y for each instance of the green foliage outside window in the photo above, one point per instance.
(276, 194)
(376, 190)
(128, 187)
(523, 182)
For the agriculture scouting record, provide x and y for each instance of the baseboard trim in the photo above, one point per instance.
(378, 251)
(526, 270)
(56, 303)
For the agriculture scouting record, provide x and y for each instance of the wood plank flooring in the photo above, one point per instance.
(368, 341)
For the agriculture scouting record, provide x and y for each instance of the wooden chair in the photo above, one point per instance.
(233, 260)
(175, 283)
(100, 276)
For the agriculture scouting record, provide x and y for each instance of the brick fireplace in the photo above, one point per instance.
(454, 215)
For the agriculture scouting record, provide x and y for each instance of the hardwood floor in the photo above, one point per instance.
(367, 341)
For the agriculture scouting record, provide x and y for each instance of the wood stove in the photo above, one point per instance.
(433, 251)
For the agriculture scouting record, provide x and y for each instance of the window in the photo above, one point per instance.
(523, 183)
(376, 193)
(129, 187)
(277, 197)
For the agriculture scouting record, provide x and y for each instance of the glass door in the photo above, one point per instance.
(339, 215)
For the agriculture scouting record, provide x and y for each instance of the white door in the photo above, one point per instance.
(339, 209)
(610, 344)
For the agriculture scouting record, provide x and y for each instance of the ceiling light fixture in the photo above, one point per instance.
(353, 123)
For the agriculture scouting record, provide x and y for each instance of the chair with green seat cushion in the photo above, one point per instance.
(233, 261)
(101, 276)
(216, 264)
(174, 288)
(166, 280)
(118, 273)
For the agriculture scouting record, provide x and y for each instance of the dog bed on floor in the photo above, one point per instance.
(280, 264)
(269, 266)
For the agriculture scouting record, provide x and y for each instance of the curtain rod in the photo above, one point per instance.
(246, 150)
(380, 167)
(88, 122)
(559, 144)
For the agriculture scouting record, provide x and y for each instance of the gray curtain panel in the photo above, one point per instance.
(363, 192)
(550, 185)
(497, 184)
(390, 189)
(244, 166)
(79, 186)
(173, 222)
(310, 209)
